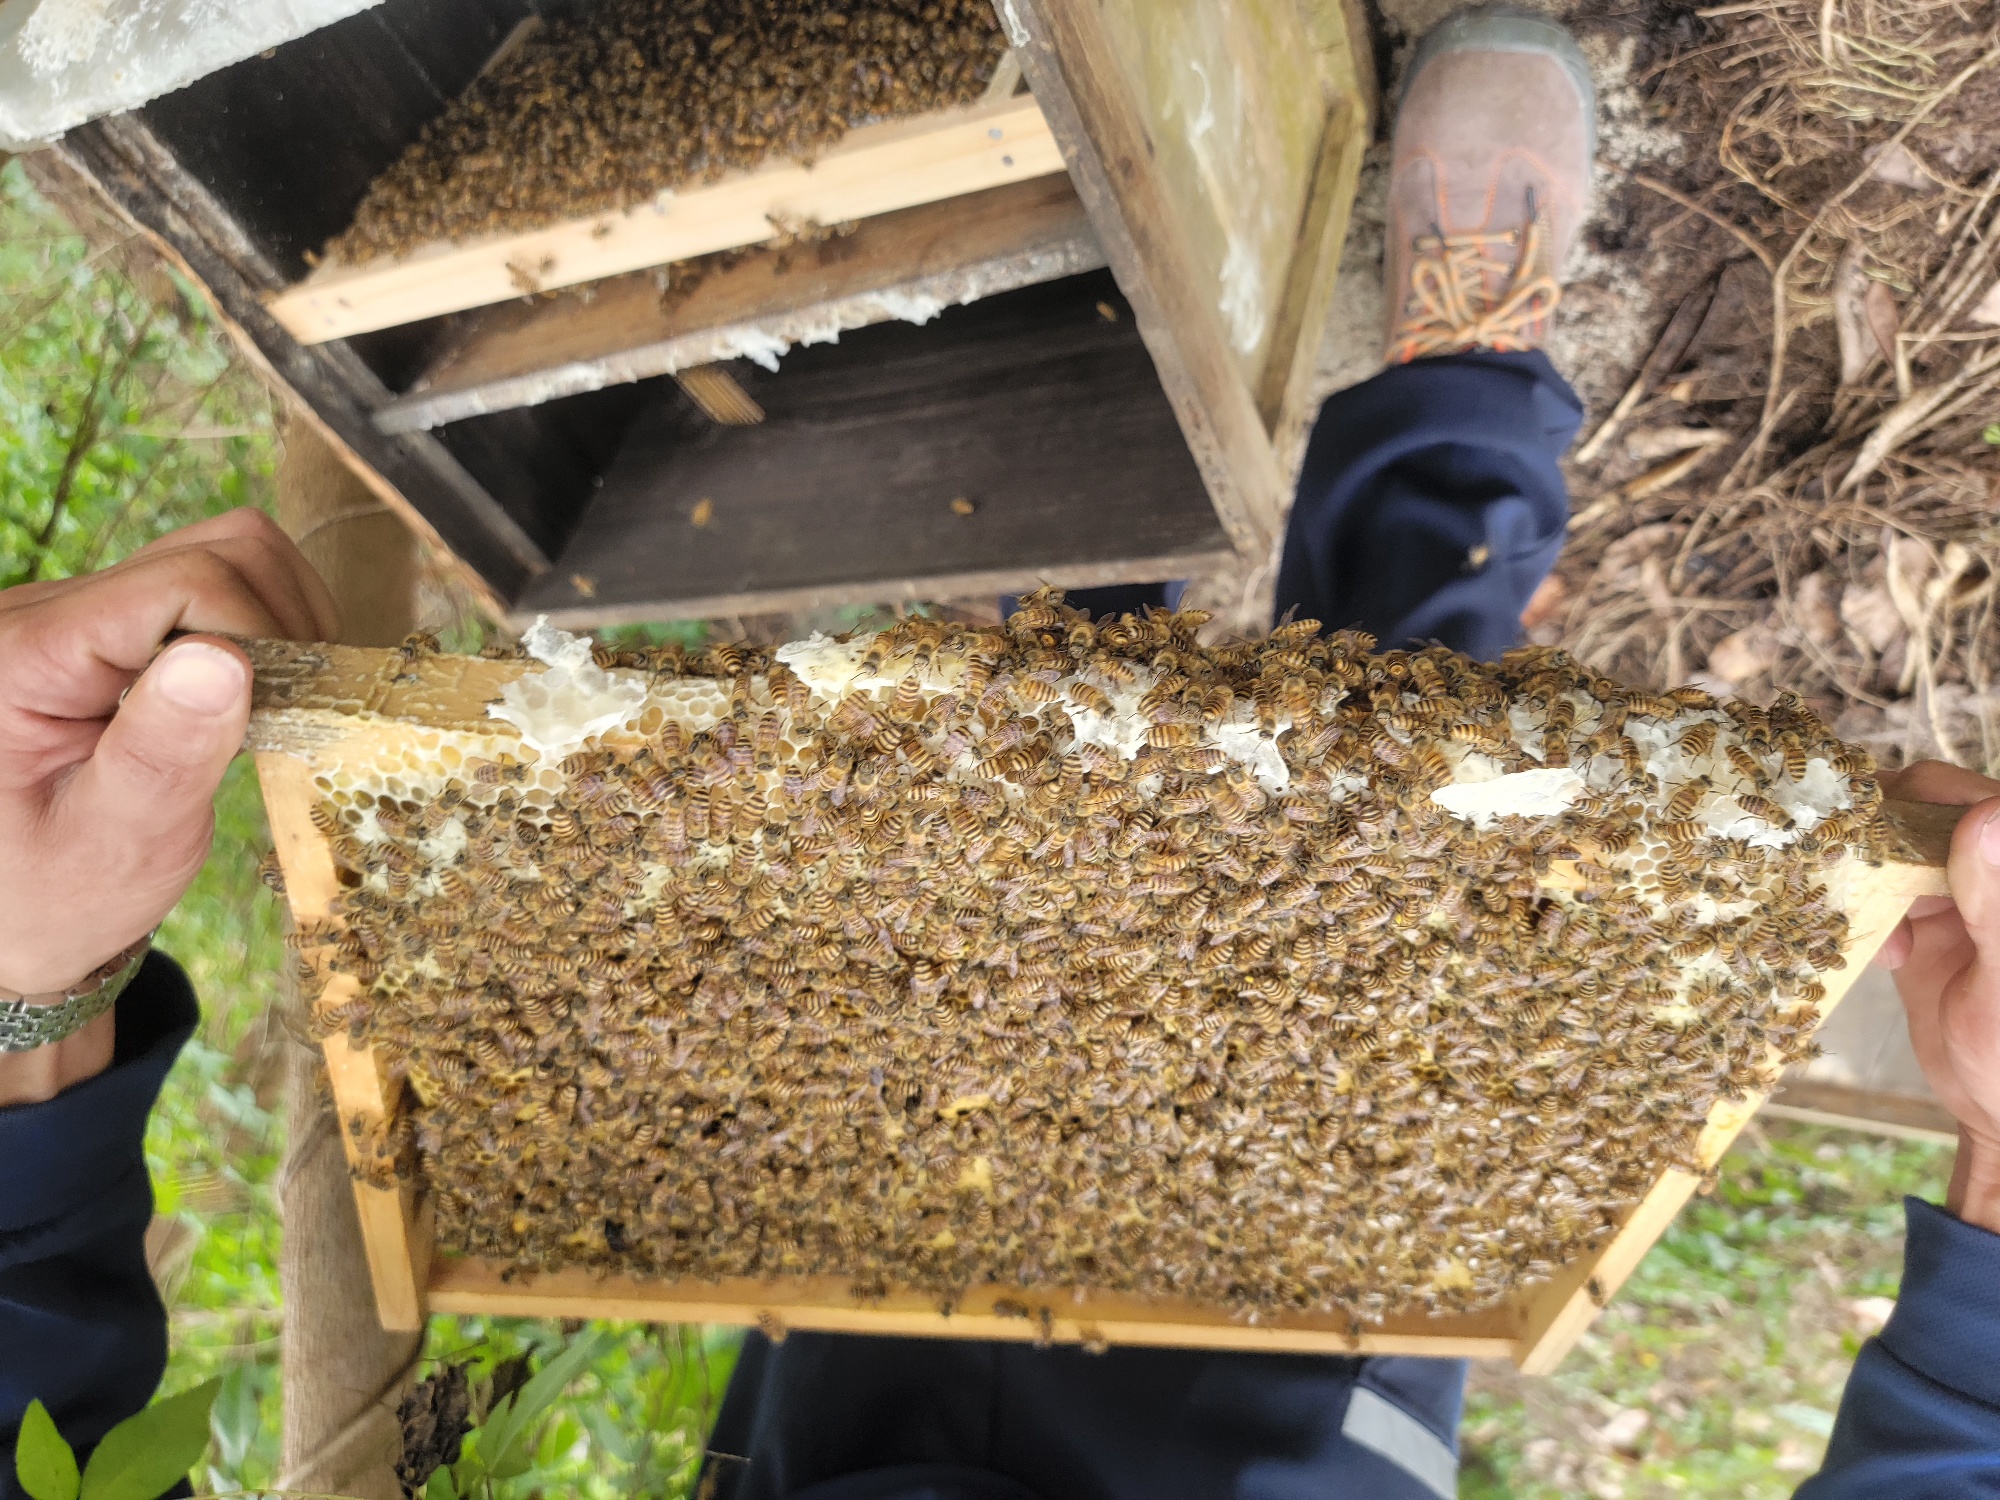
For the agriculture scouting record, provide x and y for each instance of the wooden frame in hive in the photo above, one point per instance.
(320, 705)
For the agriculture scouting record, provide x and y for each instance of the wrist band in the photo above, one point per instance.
(31, 1021)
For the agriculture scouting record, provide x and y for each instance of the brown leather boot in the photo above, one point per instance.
(1494, 140)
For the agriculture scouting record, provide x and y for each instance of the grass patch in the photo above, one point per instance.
(1733, 1338)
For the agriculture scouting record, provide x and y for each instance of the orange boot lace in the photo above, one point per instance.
(1483, 290)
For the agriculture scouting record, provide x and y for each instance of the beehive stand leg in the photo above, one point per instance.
(1558, 1317)
(343, 1372)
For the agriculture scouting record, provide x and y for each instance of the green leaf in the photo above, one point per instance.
(513, 1465)
(234, 1419)
(489, 1438)
(440, 1486)
(503, 1439)
(146, 1455)
(1991, 434)
(43, 1462)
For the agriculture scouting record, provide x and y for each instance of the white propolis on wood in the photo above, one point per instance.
(323, 706)
(873, 170)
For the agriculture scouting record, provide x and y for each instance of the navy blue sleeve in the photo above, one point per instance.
(1920, 1419)
(81, 1326)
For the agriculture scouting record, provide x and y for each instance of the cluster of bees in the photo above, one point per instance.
(1078, 953)
(600, 112)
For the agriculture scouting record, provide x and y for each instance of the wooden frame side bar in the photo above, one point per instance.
(874, 170)
(393, 1226)
(1559, 1315)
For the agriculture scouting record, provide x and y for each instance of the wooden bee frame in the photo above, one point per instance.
(315, 702)
(874, 170)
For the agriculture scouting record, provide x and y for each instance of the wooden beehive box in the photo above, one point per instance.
(1106, 426)
(322, 707)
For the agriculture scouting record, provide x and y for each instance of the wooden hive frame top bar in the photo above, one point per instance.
(873, 170)
(316, 705)
(903, 264)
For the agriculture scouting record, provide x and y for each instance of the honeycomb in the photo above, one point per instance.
(1272, 975)
(601, 111)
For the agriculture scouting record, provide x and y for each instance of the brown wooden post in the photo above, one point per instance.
(343, 1374)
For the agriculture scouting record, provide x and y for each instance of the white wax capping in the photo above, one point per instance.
(1540, 793)
(1243, 739)
(1810, 801)
(1123, 731)
(555, 647)
(446, 845)
(833, 668)
(827, 666)
(558, 710)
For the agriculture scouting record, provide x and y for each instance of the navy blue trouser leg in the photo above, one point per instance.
(1407, 477)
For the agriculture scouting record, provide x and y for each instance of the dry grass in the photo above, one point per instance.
(1838, 539)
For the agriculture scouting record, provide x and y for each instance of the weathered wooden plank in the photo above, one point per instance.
(1034, 409)
(1867, 1076)
(908, 263)
(874, 170)
(1916, 1117)
(912, 588)
(1071, 63)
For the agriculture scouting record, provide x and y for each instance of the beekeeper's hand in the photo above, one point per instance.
(111, 750)
(1946, 956)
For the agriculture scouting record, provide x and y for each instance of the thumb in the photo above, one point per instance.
(1968, 1004)
(156, 767)
(1974, 872)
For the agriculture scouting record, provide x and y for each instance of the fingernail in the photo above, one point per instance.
(1989, 839)
(200, 678)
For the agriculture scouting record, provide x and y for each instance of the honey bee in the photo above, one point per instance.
(1088, 697)
(1485, 738)
(1794, 756)
(1697, 740)
(1763, 807)
(1036, 690)
(1686, 798)
(1427, 766)
(907, 704)
(1116, 670)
